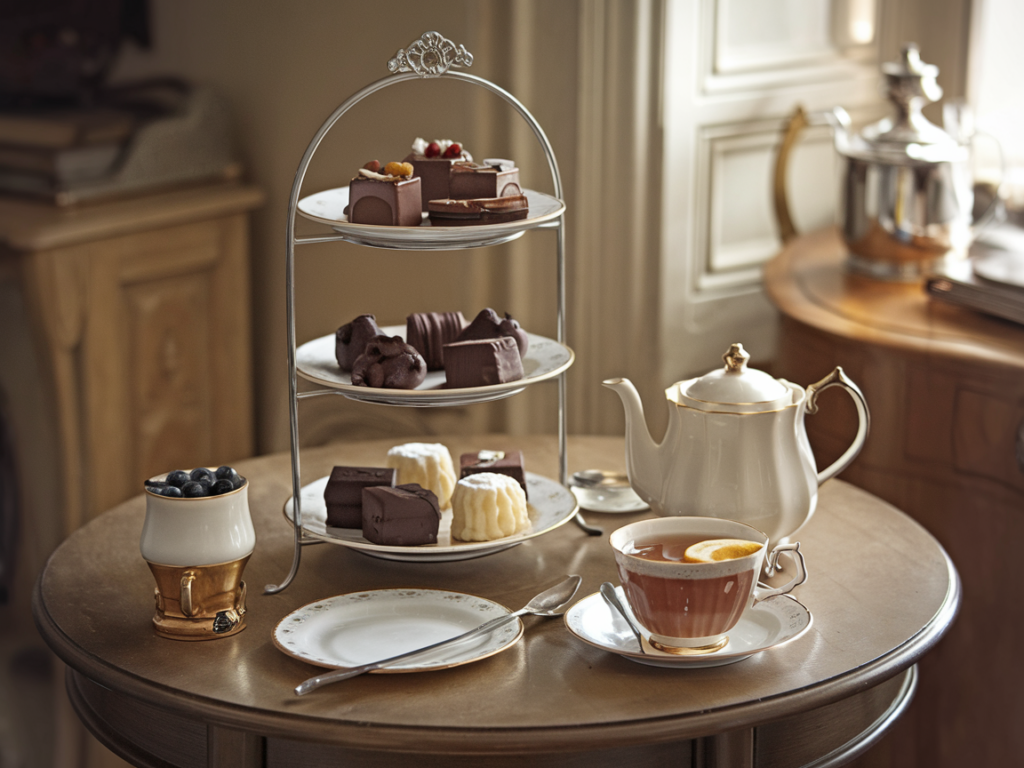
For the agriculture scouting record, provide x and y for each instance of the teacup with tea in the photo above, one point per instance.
(688, 580)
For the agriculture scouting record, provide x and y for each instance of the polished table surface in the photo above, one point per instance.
(881, 592)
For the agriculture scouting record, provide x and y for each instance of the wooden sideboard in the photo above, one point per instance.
(140, 313)
(945, 387)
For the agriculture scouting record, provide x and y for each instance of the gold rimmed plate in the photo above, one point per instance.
(362, 627)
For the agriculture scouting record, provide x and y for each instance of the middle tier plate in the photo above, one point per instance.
(550, 505)
(315, 361)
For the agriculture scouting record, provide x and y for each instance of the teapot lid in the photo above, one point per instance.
(908, 137)
(735, 388)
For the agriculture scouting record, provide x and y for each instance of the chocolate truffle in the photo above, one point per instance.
(482, 362)
(406, 515)
(492, 178)
(384, 200)
(351, 339)
(344, 493)
(487, 325)
(430, 331)
(482, 210)
(433, 169)
(390, 363)
(499, 462)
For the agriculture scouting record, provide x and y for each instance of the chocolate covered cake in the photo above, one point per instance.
(406, 515)
(344, 493)
(432, 163)
(449, 212)
(430, 331)
(388, 199)
(389, 363)
(351, 339)
(491, 178)
(487, 325)
(482, 362)
(499, 462)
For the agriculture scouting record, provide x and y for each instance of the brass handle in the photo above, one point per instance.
(186, 593)
(796, 124)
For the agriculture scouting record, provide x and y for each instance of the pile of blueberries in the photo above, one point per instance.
(198, 483)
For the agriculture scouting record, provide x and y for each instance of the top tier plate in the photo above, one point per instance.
(328, 207)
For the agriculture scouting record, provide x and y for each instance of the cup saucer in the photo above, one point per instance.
(768, 624)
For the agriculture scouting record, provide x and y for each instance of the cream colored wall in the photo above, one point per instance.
(284, 67)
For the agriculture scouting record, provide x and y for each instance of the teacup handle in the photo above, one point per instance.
(186, 592)
(771, 567)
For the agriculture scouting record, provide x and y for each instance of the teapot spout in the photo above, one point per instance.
(642, 465)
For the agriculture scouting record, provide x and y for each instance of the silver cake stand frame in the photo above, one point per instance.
(431, 56)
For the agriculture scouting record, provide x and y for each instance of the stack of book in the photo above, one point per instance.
(45, 154)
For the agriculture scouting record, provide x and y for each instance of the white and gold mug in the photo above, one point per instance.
(197, 549)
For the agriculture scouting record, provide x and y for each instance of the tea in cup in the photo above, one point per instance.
(197, 548)
(689, 607)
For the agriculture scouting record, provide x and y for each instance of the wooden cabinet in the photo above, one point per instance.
(945, 387)
(140, 312)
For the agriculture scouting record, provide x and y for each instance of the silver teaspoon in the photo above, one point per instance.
(608, 593)
(550, 602)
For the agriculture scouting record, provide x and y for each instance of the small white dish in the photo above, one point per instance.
(315, 361)
(769, 624)
(363, 627)
(599, 490)
(328, 207)
(550, 505)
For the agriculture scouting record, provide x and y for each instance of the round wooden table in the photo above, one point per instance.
(881, 592)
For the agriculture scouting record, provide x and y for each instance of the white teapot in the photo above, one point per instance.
(735, 448)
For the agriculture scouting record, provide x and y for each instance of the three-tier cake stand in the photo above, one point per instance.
(431, 56)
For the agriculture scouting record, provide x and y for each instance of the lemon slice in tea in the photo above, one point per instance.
(714, 550)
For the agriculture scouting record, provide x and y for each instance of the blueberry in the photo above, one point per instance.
(222, 486)
(200, 473)
(194, 490)
(228, 473)
(178, 478)
(169, 491)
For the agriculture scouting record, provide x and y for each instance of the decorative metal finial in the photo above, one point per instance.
(736, 359)
(430, 56)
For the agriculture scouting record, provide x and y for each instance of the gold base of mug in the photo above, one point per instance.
(199, 602)
(676, 650)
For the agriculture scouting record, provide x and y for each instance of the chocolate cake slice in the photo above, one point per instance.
(428, 332)
(492, 178)
(406, 515)
(482, 210)
(482, 362)
(499, 462)
(432, 164)
(385, 200)
(344, 493)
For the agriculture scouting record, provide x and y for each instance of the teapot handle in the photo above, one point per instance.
(838, 378)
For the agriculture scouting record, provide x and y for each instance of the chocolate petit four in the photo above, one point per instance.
(432, 163)
(488, 506)
(430, 331)
(426, 464)
(482, 362)
(344, 493)
(406, 515)
(499, 462)
(390, 199)
(351, 339)
(481, 210)
(487, 325)
(491, 178)
(390, 363)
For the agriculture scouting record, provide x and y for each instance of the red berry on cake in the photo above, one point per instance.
(373, 165)
(454, 150)
(433, 149)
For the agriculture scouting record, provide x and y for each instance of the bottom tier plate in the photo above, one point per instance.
(550, 505)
